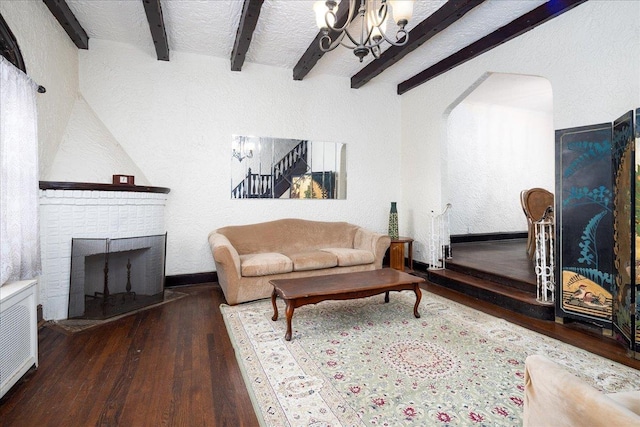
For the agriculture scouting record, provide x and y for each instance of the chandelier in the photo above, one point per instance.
(244, 148)
(367, 22)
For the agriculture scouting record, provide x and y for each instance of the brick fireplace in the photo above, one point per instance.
(89, 211)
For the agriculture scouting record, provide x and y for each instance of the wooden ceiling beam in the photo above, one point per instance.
(515, 28)
(153, 10)
(446, 15)
(60, 10)
(246, 27)
(312, 55)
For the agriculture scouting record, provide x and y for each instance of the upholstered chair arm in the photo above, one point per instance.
(374, 242)
(227, 262)
(553, 396)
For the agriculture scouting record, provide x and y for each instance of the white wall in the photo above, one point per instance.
(51, 60)
(493, 153)
(86, 137)
(590, 57)
(176, 120)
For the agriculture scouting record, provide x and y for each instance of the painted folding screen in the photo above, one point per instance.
(637, 233)
(636, 222)
(584, 224)
(626, 229)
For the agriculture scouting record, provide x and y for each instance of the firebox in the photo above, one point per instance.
(114, 276)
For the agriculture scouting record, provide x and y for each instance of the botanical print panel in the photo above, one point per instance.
(585, 219)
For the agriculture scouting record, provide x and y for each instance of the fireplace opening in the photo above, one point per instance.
(114, 276)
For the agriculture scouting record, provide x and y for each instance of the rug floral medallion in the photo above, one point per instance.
(364, 362)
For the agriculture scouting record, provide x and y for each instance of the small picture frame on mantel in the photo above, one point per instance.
(123, 180)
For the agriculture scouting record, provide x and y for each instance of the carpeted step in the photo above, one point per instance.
(511, 298)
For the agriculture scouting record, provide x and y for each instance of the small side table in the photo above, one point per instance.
(396, 253)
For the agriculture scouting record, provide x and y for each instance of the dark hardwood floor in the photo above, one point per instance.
(174, 365)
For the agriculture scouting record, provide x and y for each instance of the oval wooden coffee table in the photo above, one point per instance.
(361, 284)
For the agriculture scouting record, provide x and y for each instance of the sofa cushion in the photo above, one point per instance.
(289, 235)
(348, 257)
(313, 260)
(264, 264)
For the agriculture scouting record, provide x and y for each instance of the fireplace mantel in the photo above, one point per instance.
(63, 185)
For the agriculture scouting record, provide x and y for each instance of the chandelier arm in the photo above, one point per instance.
(375, 43)
(366, 39)
(383, 8)
(368, 42)
(332, 43)
(355, 43)
(348, 46)
(399, 35)
(376, 51)
(352, 9)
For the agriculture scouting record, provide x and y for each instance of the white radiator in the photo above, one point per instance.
(18, 332)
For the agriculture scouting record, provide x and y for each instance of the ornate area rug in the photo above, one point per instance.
(364, 362)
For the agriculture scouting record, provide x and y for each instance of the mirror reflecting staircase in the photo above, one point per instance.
(279, 180)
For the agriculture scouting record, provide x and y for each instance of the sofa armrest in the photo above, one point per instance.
(374, 242)
(227, 262)
(553, 396)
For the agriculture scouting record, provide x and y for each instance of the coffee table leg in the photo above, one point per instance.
(275, 307)
(287, 336)
(386, 296)
(416, 289)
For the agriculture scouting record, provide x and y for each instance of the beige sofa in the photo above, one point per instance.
(555, 397)
(248, 256)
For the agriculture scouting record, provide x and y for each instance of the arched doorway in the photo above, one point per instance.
(500, 140)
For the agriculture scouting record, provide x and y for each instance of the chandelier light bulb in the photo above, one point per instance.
(402, 11)
(321, 9)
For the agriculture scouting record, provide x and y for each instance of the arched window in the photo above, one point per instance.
(9, 46)
(11, 51)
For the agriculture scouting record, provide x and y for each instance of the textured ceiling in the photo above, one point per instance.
(283, 32)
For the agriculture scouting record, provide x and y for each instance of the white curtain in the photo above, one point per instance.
(19, 236)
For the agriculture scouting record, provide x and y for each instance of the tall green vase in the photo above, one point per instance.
(393, 221)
